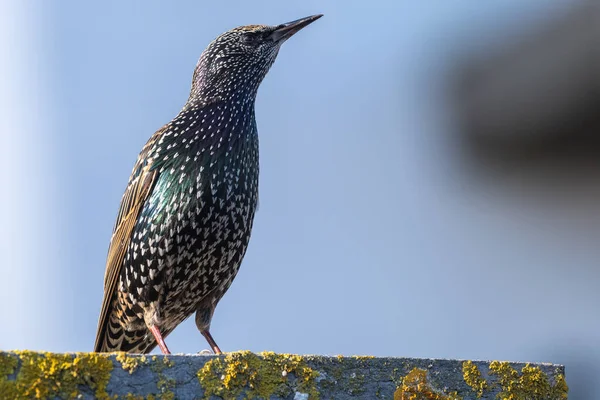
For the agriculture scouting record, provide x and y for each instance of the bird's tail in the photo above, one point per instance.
(113, 337)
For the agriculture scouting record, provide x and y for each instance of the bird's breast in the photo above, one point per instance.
(195, 228)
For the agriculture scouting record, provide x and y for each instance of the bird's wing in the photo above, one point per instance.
(141, 182)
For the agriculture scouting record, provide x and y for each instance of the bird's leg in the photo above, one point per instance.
(159, 339)
(211, 342)
(204, 314)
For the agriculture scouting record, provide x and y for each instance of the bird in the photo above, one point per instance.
(186, 216)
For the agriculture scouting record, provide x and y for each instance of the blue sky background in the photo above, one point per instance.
(371, 237)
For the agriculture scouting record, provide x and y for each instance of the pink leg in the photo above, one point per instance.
(211, 342)
(159, 339)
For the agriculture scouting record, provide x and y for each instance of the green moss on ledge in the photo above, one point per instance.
(129, 363)
(530, 384)
(259, 377)
(416, 386)
(47, 375)
(26, 374)
(164, 384)
(8, 364)
(473, 378)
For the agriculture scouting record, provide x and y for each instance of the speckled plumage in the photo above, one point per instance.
(186, 216)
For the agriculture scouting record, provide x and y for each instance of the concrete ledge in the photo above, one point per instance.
(240, 375)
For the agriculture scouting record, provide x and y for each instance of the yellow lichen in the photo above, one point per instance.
(473, 378)
(356, 384)
(128, 363)
(531, 384)
(163, 384)
(415, 386)
(8, 364)
(47, 375)
(258, 377)
(131, 396)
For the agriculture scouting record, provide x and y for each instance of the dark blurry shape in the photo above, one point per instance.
(536, 100)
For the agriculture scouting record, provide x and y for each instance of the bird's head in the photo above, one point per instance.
(236, 62)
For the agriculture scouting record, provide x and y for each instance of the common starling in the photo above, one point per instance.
(185, 219)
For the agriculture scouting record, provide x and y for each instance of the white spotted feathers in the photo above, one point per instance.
(186, 216)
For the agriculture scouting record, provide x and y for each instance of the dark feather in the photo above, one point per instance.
(138, 189)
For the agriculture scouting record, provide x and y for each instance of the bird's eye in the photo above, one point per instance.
(250, 39)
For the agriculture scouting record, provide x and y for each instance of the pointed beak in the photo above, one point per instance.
(285, 31)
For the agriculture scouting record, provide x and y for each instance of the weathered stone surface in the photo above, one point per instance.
(269, 375)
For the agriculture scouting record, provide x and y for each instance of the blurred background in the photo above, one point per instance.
(430, 176)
